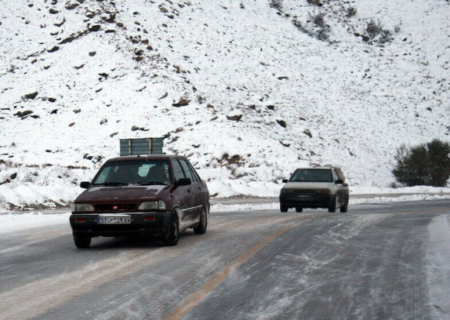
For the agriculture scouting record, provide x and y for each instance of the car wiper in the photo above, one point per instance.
(149, 183)
(114, 184)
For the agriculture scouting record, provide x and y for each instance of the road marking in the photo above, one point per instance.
(437, 210)
(194, 298)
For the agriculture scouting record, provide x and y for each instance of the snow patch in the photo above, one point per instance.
(20, 222)
(438, 266)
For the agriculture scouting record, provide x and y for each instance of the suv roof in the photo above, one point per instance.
(327, 167)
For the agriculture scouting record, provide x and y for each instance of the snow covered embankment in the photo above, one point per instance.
(38, 187)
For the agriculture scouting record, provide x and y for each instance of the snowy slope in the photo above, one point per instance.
(264, 96)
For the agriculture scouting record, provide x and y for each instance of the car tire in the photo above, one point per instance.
(82, 241)
(173, 235)
(203, 224)
(298, 209)
(333, 205)
(283, 208)
(344, 208)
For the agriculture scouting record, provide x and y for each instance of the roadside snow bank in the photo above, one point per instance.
(416, 189)
(38, 187)
(438, 266)
(18, 222)
(414, 197)
(276, 205)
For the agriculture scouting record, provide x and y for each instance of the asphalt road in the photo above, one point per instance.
(369, 263)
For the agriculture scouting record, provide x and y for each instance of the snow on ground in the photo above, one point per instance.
(18, 222)
(235, 86)
(39, 186)
(438, 267)
(353, 201)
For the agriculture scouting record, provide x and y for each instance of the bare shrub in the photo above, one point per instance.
(385, 37)
(351, 12)
(374, 28)
(315, 2)
(376, 32)
(318, 19)
(320, 33)
(276, 4)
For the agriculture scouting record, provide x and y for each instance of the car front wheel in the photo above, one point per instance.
(283, 208)
(82, 241)
(344, 208)
(203, 224)
(174, 232)
(333, 205)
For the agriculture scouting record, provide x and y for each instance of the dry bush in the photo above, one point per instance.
(317, 18)
(351, 12)
(315, 2)
(425, 164)
(374, 28)
(276, 4)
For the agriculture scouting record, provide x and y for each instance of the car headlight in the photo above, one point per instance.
(152, 205)
(287, 190)
(82, 207)
(323, 191)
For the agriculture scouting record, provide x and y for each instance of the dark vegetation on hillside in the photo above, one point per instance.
(425, 164)
(315, 26)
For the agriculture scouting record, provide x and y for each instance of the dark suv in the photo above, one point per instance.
(320, 187)
(156, 195)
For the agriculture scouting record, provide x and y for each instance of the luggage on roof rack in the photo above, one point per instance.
(134, 147)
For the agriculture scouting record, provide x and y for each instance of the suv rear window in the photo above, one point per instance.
(312, 175)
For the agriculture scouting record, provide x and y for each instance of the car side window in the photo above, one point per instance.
(335, 176)
(177, 171)
(194, 172)
(340, 174)
(188, 171)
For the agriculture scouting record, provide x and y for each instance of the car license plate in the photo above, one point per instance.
(114, 220)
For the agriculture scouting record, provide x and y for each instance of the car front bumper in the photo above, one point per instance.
(306, 201)
(88, 223)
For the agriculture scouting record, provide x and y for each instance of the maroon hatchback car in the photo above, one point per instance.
(156, 195)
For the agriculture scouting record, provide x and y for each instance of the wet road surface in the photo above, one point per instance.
(369, 263)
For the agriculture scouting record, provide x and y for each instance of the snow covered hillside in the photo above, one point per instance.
(247, 90)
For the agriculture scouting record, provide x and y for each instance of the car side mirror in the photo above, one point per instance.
(285, 181)
(184, 182)
(85, 184)
(339, 181)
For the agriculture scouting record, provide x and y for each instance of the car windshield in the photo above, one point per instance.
(145, 172)
(312, 175)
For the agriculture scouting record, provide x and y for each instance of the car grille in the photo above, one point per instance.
(115, 207)
(304, 191)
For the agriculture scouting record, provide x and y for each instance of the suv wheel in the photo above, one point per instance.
(283, 208)
(333, 205)
(344, 208)
(82, 241)
(174, 232)
(203, 224)
(298, 209)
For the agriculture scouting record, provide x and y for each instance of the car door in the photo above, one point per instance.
(196, 187)
(183, 194)
(196, 206)
(339, 189)
(201, 196)
(345, 188)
